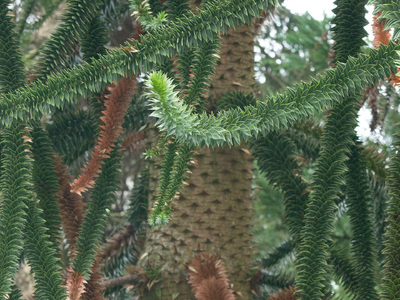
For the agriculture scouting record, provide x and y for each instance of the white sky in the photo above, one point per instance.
(316, 8)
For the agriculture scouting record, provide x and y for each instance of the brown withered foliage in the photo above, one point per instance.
(70, 205)
(93, 288)
(133, 140)
(287, 294)
(75, 285)
(381, 36)
(116, 105)
(114, 246)
(208, 278)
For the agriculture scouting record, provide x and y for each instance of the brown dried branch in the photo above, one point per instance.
(287, 294)
(114, 246)
(133, 140)
(70, 205)
(119, 281)
(381, 36)
(208, 278)
(93, 288)
(75, 285)
(116, 105)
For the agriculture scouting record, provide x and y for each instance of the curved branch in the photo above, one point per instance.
(235, 126)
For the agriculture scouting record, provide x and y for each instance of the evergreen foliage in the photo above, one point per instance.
(15, 293)
(15, 182)
(60, 47)
(41, 255)
(278, 253)
(45, 182)
(359, 204)
(72, 134)
(391, 274)
(167, 41)
(202, 64)
(94, 40)
(176, 8)
(281, 167)
(337, 143)
(142, 11)
(318, 224)
(139, 200)
(240, 125)
(11, 71)
(94, 221)
(320, 166)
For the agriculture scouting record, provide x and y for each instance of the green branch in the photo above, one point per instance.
(318, 223)
(41, 254)
(176, 8)
(275, 156)
(15, 184)
(15, 163)
(204, 60)
(63, 42)
(138, 204)
(92, 229)
(11, 66)
(359, 205)
(234, 126)
(175, 165)
(278, 253)
(144, 16)
(45, 182)
(69, 85)
(391, 279)
(72, 134)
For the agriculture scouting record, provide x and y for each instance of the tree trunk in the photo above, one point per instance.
(214, 211)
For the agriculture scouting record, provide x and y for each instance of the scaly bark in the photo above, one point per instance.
(214, 211)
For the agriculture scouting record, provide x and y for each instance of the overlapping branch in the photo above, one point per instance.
(69, 85)
(390, 11)
(116, 106)
(93, 224)
(70, 205)
(234, 126)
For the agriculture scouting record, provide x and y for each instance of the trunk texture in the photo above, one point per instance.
(214, 212)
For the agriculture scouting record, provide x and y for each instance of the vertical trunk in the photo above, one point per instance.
(214, 212)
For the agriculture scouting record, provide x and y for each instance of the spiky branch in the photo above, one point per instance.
(234, 126)
(67, 86)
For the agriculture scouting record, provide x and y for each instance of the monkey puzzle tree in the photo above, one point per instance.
(193, 64)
